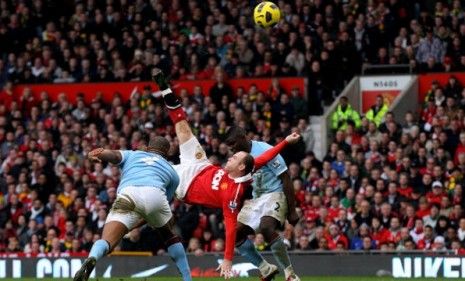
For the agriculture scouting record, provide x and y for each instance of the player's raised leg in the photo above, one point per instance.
(176, 113)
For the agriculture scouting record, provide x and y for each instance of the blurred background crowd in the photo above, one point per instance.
(390, 184)
(327, 41)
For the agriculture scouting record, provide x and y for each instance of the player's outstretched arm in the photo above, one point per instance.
(271, 153)
(107, 155)
(230, 222)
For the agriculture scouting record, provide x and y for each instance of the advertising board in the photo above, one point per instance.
(306, 264)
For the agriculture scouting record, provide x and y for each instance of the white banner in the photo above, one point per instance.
(379, 83)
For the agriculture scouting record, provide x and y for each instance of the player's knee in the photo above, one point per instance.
(242, 231)
(268, 229)
(166, 234)
(268, 233)
(173, 240)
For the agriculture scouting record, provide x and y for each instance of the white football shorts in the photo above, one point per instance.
(272, 204)
(134, 203)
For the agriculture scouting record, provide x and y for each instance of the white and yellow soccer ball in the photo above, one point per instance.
(266, 14)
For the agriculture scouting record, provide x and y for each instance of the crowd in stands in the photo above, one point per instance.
(394, 183)
(53, 199)
(390, 183)
(327, 41)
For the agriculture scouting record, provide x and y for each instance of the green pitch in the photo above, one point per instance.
(326, 278)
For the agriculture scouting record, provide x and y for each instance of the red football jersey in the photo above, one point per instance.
(213, 188)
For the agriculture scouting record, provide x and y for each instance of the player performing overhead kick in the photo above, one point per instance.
(147, 184)
(202, 183)
(273, 201)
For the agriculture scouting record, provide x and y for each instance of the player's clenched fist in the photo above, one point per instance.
(293, 138)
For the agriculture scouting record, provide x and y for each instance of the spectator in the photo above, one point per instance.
(439, 244)
(318, 91)
(461, 230)
(298, 103)
(304, 244)
(433, 217)
(259, 242)
(335, 237)
(220, 89)
(6, 95)
(307, 134)
(377, 111)
(368, 244)
(296, 60)
(453, 88)
(194, 247)
(430, 47)
(218, 245)
(343, 115)
(358, 242)
(426, 243)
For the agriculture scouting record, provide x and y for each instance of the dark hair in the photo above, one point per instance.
(159, 145)
(346, 180)
(233, 134)
(249, 163)
(236, 139)
(409, 239)
(436, 205)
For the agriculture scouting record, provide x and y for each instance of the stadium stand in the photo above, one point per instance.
(390, 187)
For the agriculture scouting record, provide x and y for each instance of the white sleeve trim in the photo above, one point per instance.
(122, 156)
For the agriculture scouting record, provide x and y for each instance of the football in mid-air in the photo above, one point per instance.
(266, 14)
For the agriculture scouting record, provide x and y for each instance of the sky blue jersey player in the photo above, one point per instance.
(142, 168)
(266, 179)
(147, 184)
(273, 202)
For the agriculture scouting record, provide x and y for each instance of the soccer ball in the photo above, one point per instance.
(266, 14)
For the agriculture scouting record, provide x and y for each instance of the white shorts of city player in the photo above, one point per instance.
(134, 203)
(272, 204)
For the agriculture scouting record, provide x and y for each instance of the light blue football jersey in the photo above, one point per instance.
(265, 180)
(141, 168)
